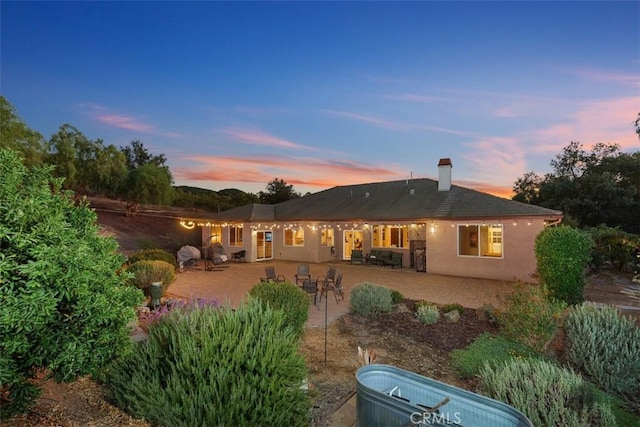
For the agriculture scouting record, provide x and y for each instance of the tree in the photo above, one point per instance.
(601, 186)
(64, 298)
(16, 135)
(527, 187)
(138, 156)
(147, 184)
(74, 156)
(148, 179)
(110, 172)
(277, 191)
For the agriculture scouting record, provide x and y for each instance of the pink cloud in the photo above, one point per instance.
(307, 172)
(124, 122)
(260, 138)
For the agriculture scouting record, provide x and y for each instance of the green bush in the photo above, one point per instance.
(606, 347)
(452, 306)
(612, 244)
(487, 348)
(427, 313)
(368, 299)
(547, 394)
(563, 254)
(64, 300)
(396, 297)
(289, 298)
(215, 367)
(527, 316)
(146, 272)
(153, 255)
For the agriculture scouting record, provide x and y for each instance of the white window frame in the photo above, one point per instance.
(483, 241)
(297, 237)
(236, 233)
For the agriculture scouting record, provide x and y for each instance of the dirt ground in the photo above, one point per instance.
(398, 339)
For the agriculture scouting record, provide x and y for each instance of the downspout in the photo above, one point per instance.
(551, 224)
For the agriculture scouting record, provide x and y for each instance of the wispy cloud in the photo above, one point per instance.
(255, 137)
(376, 121)
(388, 124)
(125, 121)
(413, 97)
(631, 79)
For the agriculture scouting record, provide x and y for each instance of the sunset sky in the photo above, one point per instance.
(321, 94)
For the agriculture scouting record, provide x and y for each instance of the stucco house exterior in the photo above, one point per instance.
(438, 227)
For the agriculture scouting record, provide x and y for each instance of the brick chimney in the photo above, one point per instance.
(444, 174)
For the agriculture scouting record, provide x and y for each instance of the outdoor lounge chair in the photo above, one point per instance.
(272, 276)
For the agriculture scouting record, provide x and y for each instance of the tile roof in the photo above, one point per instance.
(387, 201)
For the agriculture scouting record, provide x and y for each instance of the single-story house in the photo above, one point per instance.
(438, 227)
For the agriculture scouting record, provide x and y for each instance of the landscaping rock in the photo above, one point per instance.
(452, 316)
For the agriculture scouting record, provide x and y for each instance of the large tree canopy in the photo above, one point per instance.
(277, 191)
(596, 187)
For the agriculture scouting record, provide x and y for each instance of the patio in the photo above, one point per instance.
(232, 284)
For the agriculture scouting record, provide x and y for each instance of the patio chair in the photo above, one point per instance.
(357, 257)
(311, 288)
(272, 276)
(334, 286)
(302, 274)
(331, 275)
(239, 256)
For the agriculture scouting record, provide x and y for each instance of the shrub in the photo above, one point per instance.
(527, 316)
(153, 255)
(422, 302)
(396, 297)
(612, 244)
(563, 254)
(289, 298)
(547, 394)
(64, 300)
(164, 309)
(452, 306)
(368, 299)
(215, 367)
(146, 272)
(427, 313)
(606, 347)
(487, 348)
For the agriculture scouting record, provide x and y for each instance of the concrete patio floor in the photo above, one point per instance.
(232, 283)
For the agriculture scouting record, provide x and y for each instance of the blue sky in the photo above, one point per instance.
(320, 94)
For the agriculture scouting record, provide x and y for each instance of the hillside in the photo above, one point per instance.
(151, 228)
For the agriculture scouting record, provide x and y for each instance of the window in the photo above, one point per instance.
(216, 234)
(235, 236)
(326, 237)
(294, 237)
(480, 240)
(387, 236)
